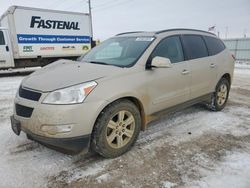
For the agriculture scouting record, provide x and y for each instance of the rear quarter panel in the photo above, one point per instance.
(225, 63)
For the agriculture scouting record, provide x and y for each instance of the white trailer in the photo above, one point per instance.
(35, 37)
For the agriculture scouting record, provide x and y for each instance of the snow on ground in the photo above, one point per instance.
(23, 163)
(233, 172)
(191, 148)
(10, 71)
(167, 184)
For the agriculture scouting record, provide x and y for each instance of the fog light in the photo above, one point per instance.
(55, 129)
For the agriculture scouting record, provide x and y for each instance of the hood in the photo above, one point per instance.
(64, 73)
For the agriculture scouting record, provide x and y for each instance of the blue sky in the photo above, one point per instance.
(114, 16)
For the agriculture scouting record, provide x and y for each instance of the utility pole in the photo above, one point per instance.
(91, 25)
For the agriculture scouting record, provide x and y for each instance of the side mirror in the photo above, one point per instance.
(161, 62)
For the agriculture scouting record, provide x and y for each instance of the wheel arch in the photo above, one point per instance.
(140, 107)
(136, 102)
(228, 77)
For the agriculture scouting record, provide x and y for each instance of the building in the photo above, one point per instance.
(240, 48)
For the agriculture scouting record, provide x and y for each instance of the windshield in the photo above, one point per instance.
(120, 51)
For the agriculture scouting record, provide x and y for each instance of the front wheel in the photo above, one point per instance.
(220, 96)
(116, 129)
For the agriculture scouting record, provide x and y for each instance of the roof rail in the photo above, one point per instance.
(179, 29)
(131, 32)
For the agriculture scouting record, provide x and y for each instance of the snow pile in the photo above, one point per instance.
(233, 172)
(167, 184)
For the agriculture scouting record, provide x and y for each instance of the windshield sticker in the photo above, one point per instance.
(144, 39)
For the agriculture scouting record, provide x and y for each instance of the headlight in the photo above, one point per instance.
(70, 95)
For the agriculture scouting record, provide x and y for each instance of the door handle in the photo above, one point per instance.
(184, 72)
(7, 48)
(212, 65)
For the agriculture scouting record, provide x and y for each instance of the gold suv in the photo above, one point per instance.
(103, 100)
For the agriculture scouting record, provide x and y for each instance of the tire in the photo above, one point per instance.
(116, 129)
(220, 96)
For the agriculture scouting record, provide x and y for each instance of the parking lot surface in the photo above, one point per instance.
(191, 148)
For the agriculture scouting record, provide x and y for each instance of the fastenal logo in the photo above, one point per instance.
(38, 22)
(27, 49)
(48, 48)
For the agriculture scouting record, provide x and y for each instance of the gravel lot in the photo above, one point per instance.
(191, 148)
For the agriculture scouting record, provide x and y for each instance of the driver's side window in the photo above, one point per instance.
(114, 50)
(2, 42)
(171, 48)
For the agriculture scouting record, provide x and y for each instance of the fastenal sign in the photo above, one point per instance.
(37, 22)
(45, 31)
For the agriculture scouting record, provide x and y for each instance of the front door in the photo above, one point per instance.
(6, 59)
(168, 87)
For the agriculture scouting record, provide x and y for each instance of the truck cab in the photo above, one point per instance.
(6, 57)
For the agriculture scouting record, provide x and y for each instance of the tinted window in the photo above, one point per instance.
(170, 48)
(2, 42)
(214, 45)
(194, 46)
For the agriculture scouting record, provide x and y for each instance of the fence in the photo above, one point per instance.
(240, 48)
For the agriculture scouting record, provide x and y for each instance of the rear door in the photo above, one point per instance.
(169, 86)
(6, 59)
(217, 67)
(203, 71)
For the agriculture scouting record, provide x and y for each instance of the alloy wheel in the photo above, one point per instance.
(120, 129)
(222, 94)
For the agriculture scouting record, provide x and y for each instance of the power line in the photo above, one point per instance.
(63, 3)
(54, 3)
(104, 4)
(112, 5)
(76, 3)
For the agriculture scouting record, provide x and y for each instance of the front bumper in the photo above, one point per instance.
(57, 121)
(65, 145)
(61, 127)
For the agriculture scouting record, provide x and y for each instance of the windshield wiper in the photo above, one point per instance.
(99, 62)
(103, 63)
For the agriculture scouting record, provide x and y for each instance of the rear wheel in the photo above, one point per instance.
(116, 129)
(220, 96)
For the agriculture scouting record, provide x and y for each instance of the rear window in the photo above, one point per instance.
(2, 42)
(214, 45)
(194, 46)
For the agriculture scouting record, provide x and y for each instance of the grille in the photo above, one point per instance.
(28, 94)
(23, 111)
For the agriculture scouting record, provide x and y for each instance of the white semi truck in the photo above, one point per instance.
(32, 37)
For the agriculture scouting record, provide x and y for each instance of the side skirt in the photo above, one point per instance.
(203, 99)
